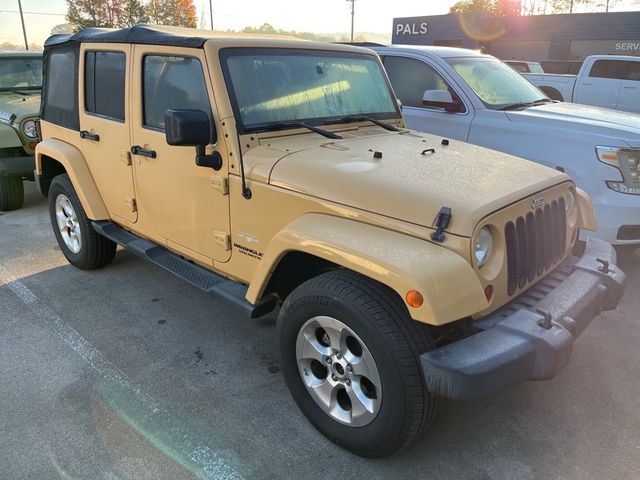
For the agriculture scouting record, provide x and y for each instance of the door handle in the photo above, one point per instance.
(587, 84)
(629, 88)
(138, 150)
(89, 136)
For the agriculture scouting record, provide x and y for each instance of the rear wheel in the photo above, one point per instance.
(350, 357)
(11, 193)
(79, 242)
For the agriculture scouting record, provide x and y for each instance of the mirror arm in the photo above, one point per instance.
(212, 161)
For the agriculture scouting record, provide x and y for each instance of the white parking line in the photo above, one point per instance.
(153, 421)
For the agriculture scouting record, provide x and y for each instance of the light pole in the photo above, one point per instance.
(24, 30)
(211, 12)
(353, 12)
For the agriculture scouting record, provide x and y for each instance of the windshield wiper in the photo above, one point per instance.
(21, 90)
(515, 106)
(284, 125)
(359, 118)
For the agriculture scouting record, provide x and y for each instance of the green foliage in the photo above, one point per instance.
(180, 13)
(268, 29)
(125, 13)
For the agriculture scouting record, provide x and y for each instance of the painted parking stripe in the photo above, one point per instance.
(136, 407)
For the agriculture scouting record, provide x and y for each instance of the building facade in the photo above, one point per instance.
(534, 38)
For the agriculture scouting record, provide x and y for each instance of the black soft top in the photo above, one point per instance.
(145, 34)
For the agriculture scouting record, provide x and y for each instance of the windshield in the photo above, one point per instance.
(21, 73)
(271, 86)
(495, 83)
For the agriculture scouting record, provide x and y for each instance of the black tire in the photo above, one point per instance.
(11, 193)
(95, 250)
(378, 316)
(552, 93)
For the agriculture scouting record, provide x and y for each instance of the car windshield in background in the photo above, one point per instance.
(272, 86)
(535, 68)
(495, 83)
(20, 73)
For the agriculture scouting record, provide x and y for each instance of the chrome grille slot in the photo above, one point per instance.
(534, 244)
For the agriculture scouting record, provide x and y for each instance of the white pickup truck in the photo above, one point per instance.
(609, 81)
(465, 95)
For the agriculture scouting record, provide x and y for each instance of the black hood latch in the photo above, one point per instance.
(442, 222)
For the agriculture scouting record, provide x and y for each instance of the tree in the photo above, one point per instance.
(498, 8)
(62, 28)
(105, 13)
(172, 12)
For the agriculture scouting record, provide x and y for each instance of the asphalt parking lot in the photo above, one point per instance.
(130, 373)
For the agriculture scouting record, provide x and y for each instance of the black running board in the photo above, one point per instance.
(204, 279)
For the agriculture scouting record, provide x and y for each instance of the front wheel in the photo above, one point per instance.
(11, 193)
(80, 243)
(350, 357)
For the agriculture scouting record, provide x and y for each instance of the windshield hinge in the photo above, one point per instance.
(442, 222)
(220, 184)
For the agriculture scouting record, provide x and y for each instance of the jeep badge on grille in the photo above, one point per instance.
(537, 202)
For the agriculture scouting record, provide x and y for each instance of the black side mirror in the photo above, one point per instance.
(192, 128)
(441, 99)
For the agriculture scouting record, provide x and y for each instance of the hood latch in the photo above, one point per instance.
(442, 222)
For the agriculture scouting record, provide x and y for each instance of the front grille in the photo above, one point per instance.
(535, 244)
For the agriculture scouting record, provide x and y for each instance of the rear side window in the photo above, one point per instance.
(60, 104)
(104, 83)
(411, 78)
(172, 82)
(616, 69)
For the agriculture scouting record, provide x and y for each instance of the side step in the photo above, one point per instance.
(204, 279)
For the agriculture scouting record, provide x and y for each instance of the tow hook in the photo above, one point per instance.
(546, 321)
(605, 265)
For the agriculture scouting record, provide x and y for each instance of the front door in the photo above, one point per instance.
(410, 78)
(179, 203)
(602, 86)
(104, 125)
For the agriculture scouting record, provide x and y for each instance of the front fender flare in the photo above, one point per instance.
(76, 166)
(450, 287)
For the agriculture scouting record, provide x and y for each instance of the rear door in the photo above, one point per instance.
(410, 78)
(601, 86)
(181, 204)
(629, 99)
(104, 124)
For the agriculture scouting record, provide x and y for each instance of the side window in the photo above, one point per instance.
(172, 82)
(411, 78)
(104, 83)
(616, 69)
(59, 102)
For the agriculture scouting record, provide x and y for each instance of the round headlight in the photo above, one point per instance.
(570, 202)
(483, 246)
(29, 129)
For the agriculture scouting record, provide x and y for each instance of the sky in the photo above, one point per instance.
(319, 16)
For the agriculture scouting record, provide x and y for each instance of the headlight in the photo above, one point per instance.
(483, 246)
(29, 129)
(627, 160)
(571, 201)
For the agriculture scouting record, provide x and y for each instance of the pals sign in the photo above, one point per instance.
(411, 28)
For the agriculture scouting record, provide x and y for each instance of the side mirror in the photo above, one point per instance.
(441, 99)
(192, 128)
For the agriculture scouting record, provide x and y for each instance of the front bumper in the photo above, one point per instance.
(515, 344)
(21, 166)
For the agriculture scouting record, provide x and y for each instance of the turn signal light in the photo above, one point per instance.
(32, 145)
(414, 299)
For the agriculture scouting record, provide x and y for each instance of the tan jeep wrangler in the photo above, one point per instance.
(278, 175)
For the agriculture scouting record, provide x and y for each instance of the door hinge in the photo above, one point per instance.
(131, 203)
(224, 239)
(220, 183)
(125, 156)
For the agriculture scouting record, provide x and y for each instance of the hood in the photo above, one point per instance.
(583, 118)
(406, 184)
(22, 105)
